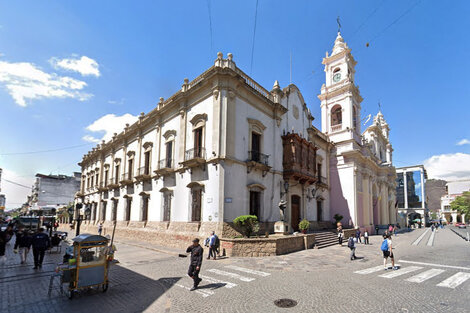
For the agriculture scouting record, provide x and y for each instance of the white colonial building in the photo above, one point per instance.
(224, 146)
(454, 189)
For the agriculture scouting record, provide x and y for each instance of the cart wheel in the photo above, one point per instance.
(70, 294)
(105, 287)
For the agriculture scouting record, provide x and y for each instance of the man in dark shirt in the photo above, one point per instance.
(195, 262)
(40, 243)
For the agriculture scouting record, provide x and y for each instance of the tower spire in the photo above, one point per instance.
(339, 24)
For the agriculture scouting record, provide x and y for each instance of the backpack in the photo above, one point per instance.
(206, 242)
(384, 246)
(351, 243)
(217, 241)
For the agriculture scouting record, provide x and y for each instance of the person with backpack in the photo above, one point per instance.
(213, 245)
(387, 251)
(352, 246)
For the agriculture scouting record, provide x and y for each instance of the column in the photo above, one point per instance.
(454, 217)
(463, 217)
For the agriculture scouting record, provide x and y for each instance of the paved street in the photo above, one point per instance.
(434, 276)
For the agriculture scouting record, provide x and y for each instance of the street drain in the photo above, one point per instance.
(285, 303)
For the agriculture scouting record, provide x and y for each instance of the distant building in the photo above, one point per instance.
(435, 189)
(53, 190)
(411, 195)
(2, 204)
(454, 189)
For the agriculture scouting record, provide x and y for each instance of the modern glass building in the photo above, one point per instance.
(411, 195)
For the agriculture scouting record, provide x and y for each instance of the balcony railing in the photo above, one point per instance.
(258, 157)
(126, 177)
(336, 128)
(143, 170)
(165, 163)
(196, 153)
(321, 180)
(113, 182)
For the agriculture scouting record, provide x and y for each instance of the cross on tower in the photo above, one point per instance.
(339, 23)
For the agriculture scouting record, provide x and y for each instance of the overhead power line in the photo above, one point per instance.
(394, 22)
(210, 22)
(46, 151)
(18, 184)
(253, 42)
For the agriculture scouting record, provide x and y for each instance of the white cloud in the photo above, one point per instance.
(109, 124)
(90, 139)
(15, 195)
(463, 142)
(85, 66)
(25, 81)
(448, 166)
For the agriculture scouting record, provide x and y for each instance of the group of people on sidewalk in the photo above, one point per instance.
(197, 252)
(386, 246)
(25, 240)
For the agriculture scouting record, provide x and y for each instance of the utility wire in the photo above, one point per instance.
(18, 184)
(253, 42)
(366, 20)
(45, 151)
(394, 22)
(210, 23)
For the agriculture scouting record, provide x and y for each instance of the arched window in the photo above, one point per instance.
(336, 115)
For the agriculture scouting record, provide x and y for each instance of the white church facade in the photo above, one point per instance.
(224, 146)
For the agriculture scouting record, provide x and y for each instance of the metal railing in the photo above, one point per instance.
(259, 157)
(143, 170)
(199, 153)
(321, 179)
(336, 128)
(113, 181)
(250, 82)
(126, 176)
(165, 163)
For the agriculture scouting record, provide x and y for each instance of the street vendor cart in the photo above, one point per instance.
(88, 261)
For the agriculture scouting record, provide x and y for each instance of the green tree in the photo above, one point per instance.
(461, 203)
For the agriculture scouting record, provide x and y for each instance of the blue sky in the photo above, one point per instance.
(137, 51)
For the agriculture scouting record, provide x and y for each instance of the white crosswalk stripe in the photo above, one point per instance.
(218, 281)
(455, 280)
(401, 271)
(425, 275)
(247, 270)
(230, 274)
(370, 270)
(204, 293)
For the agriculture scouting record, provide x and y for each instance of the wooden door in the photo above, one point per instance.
(295, 212)
(196, 205)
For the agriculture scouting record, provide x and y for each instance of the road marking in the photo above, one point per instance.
(232, 275)
(370, 270)
(217, 281)
(431, 239)
(247, 270)
(454, 280)
(438, 265)
(425, 275)
(204, 293)
(416, 242)
(401, 271)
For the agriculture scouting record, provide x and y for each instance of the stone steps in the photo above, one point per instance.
(325, 239)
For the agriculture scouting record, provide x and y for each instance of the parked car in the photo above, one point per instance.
(462, 225)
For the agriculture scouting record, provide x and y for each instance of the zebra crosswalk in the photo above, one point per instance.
(418, 276)
(228, 277)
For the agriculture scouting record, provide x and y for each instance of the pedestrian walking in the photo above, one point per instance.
(432, 227)
(340, 235)
(56, 225)
(40, 243)
(366, 237)
(387, 251)
(100, 228)
(395, 228)
(195, 262)
(23, 244)
(352, 246)
(5, 236)
(390, 229)
(213, 239)
(358, 235)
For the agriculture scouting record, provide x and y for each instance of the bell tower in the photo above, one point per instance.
(340, 97)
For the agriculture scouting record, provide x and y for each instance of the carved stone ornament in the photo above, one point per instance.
(215, 93)
(231, 94)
